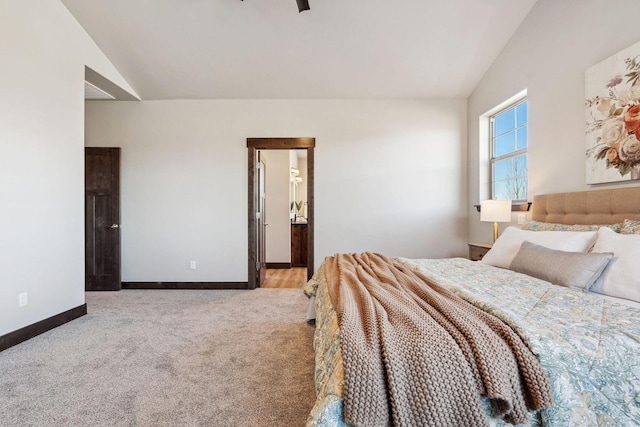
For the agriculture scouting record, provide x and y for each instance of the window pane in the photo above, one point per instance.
(500, 190)
(518, 178)
(520, 166)
(505, 144)
(501, 169)
(522, 138)
(505, 122)
(518, 188)
(510, 178)
(510, 189)
(522, 113)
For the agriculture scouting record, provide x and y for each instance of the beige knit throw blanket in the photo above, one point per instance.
(415, 354)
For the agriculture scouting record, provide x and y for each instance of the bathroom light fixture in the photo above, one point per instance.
(495, 211)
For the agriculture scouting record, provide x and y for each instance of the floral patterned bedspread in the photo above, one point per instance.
(590, 347)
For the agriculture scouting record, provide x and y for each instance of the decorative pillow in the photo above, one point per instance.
(550, 226)
(630, 226)
(508, 244)
(620, 278)
(571, 269)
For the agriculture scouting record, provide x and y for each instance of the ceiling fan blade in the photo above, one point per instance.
(303, 5)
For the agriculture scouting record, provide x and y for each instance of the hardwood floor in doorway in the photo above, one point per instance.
(286, 278)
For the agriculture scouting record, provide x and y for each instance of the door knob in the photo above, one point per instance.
(113, 226)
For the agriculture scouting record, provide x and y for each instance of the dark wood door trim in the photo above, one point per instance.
(281, 143)
(310, 210)
(253, 225)
(253, 145)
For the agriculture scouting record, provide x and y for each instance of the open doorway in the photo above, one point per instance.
(257, 265)
(283, 174)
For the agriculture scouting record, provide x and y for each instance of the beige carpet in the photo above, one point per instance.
(167, 358)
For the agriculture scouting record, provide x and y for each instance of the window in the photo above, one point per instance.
(509, 153)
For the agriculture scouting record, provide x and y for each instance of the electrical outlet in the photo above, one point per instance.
(522, 218)
(23, 299)
(192, 265)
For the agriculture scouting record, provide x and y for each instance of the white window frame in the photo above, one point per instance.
(492, 137)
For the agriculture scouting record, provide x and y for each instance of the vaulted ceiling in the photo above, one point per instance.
(205, 49)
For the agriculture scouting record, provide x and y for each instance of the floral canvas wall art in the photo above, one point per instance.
(612, 107)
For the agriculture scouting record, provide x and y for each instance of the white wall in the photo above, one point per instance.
(44, 52)
(548, 56)
(390, 177)
(278, 234)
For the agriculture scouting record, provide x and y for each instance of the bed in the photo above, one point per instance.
(585, 334)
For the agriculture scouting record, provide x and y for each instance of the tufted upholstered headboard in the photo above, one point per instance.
(588, 207)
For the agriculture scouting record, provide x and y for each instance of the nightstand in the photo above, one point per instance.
(477, 250)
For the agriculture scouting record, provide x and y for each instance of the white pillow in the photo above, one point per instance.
(508, 244)
(620, 278)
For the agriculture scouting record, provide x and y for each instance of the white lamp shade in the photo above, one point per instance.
(495, 210)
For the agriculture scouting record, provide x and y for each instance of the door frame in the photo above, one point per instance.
(253, 145)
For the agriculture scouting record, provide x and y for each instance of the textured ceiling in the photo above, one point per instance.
(201, 49)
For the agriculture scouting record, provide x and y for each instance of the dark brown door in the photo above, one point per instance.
(102, 219)
(262, 224)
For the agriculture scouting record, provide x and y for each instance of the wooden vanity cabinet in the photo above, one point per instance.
(298, 245)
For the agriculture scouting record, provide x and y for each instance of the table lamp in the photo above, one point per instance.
(495, 211)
